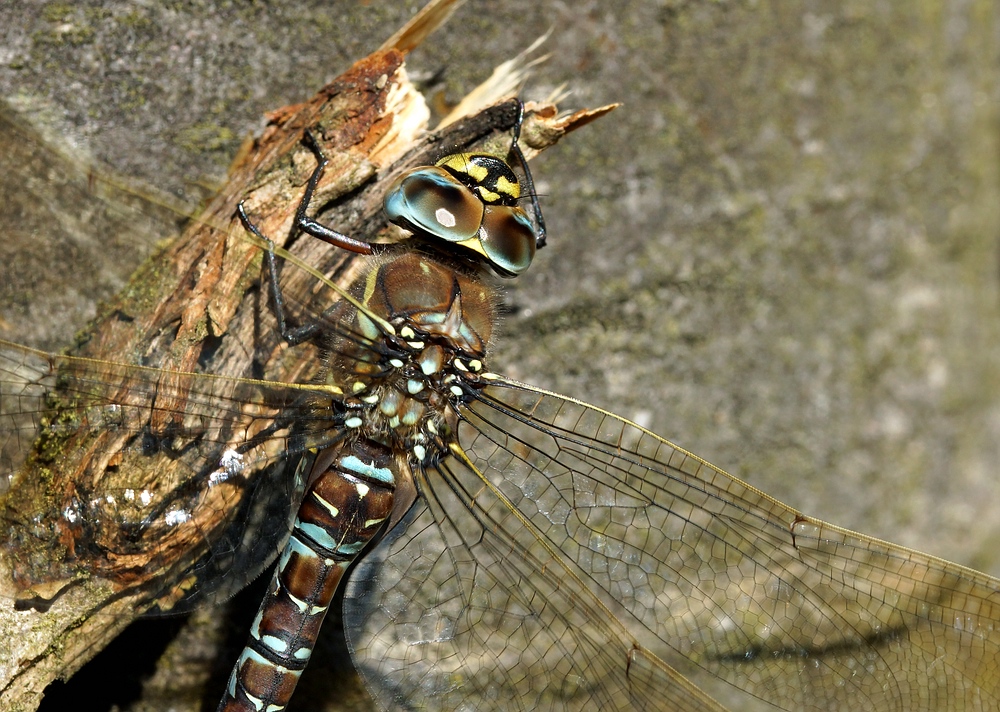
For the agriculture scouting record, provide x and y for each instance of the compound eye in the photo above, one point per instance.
(508, 239)
(430, 201)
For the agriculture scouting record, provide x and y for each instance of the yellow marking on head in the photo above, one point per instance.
(462, 163)
(487, 195)
(508, 188)
(477, 172)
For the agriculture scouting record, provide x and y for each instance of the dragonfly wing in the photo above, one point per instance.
(142, 476)
(571, 557)
(445, 615)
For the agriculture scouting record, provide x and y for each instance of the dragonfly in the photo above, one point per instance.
(547, 554)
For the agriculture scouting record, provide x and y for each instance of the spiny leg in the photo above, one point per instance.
(294, 336)
(529, 182)
(312, 227)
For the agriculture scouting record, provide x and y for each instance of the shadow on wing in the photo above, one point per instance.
(577, 561)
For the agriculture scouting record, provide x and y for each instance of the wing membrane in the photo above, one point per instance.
(577, 556)
(135, 465)
(472, 622)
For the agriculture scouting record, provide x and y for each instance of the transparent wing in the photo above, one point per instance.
(439, 622)
(569, 559)
(144, 476)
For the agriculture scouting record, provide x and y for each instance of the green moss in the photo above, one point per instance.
(134, 20)
(132, 96)
(142, 293)
(97, 14)
(206, 136)
(72, 36)
(57, 11)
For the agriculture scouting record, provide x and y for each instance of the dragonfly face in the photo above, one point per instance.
(471, 201)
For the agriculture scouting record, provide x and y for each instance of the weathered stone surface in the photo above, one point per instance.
(782, 254)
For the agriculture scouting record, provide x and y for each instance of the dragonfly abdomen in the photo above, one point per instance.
(344, 507)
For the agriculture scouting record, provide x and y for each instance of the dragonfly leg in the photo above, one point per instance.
(312, 227)
(292, 336)
(529, 182)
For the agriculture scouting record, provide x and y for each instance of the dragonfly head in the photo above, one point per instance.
(471, 200)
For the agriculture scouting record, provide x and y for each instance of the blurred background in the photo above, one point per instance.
(781, 253)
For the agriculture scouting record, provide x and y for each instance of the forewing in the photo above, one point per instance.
(576, 561)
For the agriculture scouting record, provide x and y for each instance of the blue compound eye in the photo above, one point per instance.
(430, 201)
(507, 240)
(468, 199)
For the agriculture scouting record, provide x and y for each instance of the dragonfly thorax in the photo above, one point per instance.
(403, 388)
